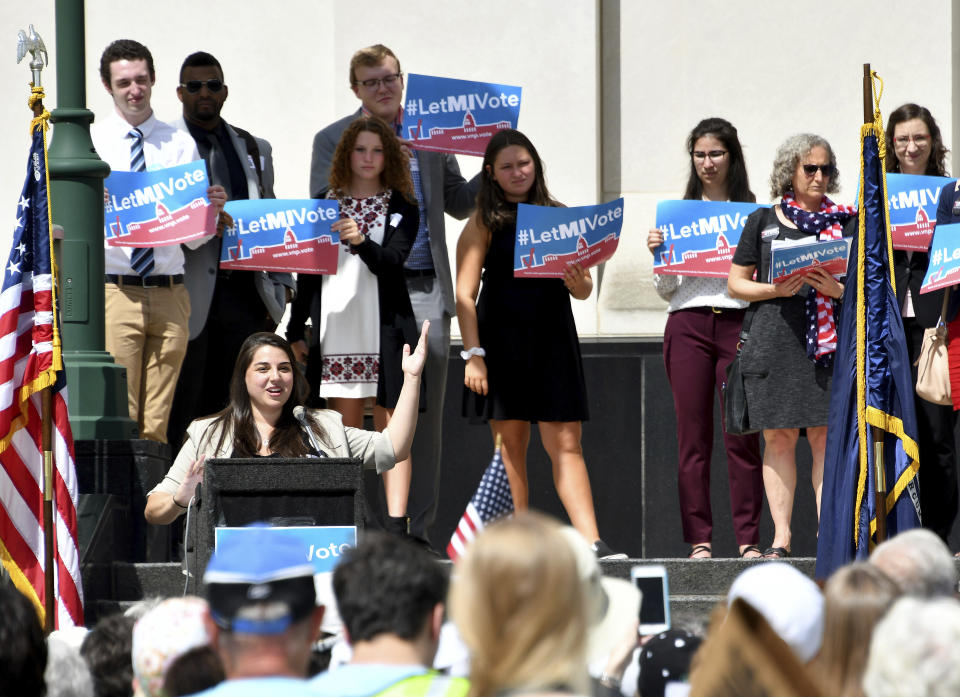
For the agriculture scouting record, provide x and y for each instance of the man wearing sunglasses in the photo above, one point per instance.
(147, 306)
(227, 306)
(377, 81)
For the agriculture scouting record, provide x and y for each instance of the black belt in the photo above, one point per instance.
(419, 273)
(144, 281)
(713, 310)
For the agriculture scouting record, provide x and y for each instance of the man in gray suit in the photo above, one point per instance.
(226, 306)
(377, 81)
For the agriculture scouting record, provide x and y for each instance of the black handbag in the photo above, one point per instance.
(735, 415)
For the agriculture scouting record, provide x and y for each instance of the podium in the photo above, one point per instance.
(276, 491)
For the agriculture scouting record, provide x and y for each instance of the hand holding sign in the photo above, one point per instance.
(349, 231)
(654, 239)
(578, 281)
(824, 282)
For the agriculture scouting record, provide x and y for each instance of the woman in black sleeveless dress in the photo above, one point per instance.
(520, 340)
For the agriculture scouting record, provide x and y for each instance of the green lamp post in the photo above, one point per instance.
(98, 386)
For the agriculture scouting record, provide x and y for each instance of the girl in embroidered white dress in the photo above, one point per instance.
(366, 313)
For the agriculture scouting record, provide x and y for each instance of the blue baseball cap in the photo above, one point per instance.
(259, 583)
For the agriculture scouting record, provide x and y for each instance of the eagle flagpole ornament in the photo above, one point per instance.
(32, 43)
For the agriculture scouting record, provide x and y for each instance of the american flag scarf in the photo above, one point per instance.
(827, 223)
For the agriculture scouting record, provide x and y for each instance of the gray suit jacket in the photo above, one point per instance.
(444, 190)
(200, 265)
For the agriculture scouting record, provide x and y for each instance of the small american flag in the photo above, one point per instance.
(30, 361)
(492, 500)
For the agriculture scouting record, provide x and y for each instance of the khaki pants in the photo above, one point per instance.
(146, 332)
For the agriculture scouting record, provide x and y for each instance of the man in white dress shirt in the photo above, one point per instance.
(147, 305)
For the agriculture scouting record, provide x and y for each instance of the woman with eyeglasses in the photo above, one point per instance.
(915, 146)
(787, 359)
(699, 341)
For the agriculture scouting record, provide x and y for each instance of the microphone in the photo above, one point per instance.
(300, 414)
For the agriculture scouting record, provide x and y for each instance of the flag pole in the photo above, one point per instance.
(46, 428)
(879, 471)
(49, 597)
(34, 45)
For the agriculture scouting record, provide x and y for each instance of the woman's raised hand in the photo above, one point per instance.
(412, 363)
(349, 231)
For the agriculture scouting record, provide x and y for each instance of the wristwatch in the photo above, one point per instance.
(470, 353)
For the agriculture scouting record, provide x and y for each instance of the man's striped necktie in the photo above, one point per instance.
(141, 258)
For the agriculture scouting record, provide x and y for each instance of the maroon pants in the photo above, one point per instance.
(698, 345)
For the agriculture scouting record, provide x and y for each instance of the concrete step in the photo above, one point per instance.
(136, 581)
(700, 576)
(692, 612)
(696, 586)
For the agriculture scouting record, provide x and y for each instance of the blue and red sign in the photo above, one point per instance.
(913, 209)
(699, 237)
(790, 258)
(457, 116)
(161, 207)
(551, 238)
(944, 267)
(291, 235)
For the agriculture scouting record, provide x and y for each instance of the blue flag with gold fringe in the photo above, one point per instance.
(872, 393)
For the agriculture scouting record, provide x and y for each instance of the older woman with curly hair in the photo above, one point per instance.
(787, 360)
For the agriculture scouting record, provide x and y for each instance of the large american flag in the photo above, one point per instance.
(30, 360)
(492, 500)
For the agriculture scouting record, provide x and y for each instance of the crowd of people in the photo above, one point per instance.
(785, 333)
(526, 610)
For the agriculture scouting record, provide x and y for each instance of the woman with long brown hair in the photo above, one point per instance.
(522, 352)
(916, 144)
(265, 418)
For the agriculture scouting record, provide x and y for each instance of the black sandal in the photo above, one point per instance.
(776, 553)
(696, 549)
(751, 548)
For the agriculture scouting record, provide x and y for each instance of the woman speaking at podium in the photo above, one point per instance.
(266, 418)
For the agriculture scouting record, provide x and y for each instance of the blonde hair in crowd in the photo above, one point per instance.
(856, 598)
(521, 609)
